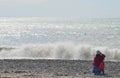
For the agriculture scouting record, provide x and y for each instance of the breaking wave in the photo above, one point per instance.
(58, 51)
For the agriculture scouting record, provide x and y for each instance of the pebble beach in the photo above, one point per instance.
(48, 68)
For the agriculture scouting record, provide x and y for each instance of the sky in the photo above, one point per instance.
(60, 8)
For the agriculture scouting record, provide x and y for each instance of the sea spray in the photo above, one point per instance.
(58, 51)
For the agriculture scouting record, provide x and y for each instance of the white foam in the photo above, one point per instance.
(59, 51)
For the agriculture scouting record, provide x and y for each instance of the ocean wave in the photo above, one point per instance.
(64, 50)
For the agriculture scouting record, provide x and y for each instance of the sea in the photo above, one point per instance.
(59, 38)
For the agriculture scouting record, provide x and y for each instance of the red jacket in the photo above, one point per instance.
(102, 65)
(98, 59)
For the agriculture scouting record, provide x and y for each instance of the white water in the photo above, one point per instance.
(59, 51)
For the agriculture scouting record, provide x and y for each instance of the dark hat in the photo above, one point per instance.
(98, 52)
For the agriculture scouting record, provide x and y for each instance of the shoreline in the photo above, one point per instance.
(54, 68)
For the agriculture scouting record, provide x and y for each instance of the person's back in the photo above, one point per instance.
(96, 63)
(97, 60)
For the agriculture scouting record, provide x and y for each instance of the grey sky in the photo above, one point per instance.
(60, 8)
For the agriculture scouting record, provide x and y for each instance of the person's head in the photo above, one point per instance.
(98, 52)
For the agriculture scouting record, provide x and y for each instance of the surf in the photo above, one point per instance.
(65, 50)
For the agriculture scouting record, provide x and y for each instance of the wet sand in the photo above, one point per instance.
(42, 68)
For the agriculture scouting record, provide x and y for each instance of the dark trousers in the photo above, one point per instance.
(96, 70)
